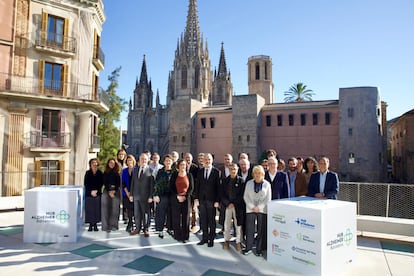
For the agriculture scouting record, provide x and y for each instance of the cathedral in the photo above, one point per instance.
(202, 115)
(191, 86)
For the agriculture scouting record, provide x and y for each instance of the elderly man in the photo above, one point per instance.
(325, 183)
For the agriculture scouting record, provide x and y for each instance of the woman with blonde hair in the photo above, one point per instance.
(257, 194)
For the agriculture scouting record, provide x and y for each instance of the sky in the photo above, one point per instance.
(324, 44)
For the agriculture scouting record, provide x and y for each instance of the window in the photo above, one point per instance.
(327, 118)
(266, 71)
(279, 119)
(53, 78)
(196, 76)
(248, 138)
(351, 158)
(203, 122)
(257, 69)
(55, 27)
(175, 139)
(239, 138)
(315, 118)
(49, 172)
(349, 131)
(350, 112)
(95, 85)
(302, 119)
(50, 126)
(183, 139)
(212, 122)
(184, 78)
(203, 135)
(291, 119)
(268, 120)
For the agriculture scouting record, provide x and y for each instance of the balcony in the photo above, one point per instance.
(48, 142)
(54, 92)
(98, 58)
(55, 44)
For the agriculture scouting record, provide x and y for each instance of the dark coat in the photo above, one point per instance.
(142, 187)
(232, 192)
(279, 185)
(331, 185)
(208, 189)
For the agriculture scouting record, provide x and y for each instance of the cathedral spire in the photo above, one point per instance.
(192, 38)
(222, 69)
(144, 77)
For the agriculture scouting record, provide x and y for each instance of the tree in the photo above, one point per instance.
(298, 93)
(109, 134)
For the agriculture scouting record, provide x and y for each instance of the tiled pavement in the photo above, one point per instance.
(117, 253)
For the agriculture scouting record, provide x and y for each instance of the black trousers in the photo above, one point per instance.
(208, 219)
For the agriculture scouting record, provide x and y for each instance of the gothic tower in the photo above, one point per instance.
(143, 122)
(222, 86)
(189, 84)
(260, 77)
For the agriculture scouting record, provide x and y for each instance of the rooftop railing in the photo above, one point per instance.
(380, 199)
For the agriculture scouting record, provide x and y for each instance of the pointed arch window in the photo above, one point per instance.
(257, 71)
(184, 78)
(197, 76)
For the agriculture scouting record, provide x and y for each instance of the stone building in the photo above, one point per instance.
(203, 115)
(402, 148)
(49, 102)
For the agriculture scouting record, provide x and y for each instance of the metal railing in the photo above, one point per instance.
(98, 54)
(47, 140)
(380, 199)
(55, 41)
(34, 86)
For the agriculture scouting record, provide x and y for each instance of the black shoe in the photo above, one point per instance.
(161, 235)
(210, 244)
(259, 253)
(202, 242)
(90, 228)
(247, 252)
(95, 228)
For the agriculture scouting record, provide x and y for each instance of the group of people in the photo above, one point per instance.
(178, 191)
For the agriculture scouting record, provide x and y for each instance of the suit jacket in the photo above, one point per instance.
(279, 185)
(331, 185)
(208, 189)
(232, 192)
(142, 187)
(301, 186)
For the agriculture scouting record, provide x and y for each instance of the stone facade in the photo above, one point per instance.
(49, 121)
(402, 148)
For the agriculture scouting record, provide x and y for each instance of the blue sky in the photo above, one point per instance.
(323, 43)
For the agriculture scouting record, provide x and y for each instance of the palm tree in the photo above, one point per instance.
(298, 93)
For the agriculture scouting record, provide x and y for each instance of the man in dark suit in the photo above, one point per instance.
(207, 198)
(325, 183)
(278, 180)
(142, 186)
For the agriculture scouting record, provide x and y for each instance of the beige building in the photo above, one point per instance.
(402, 148)
(50, 58)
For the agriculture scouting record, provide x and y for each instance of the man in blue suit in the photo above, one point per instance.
(323, 184)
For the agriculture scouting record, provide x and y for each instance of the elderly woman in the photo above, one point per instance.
(93, 182)
(256, 196)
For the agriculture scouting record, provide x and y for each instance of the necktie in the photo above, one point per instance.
(206, 176)
(140, 174)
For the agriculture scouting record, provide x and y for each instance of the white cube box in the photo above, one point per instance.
(53, 214)
(311, 236)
